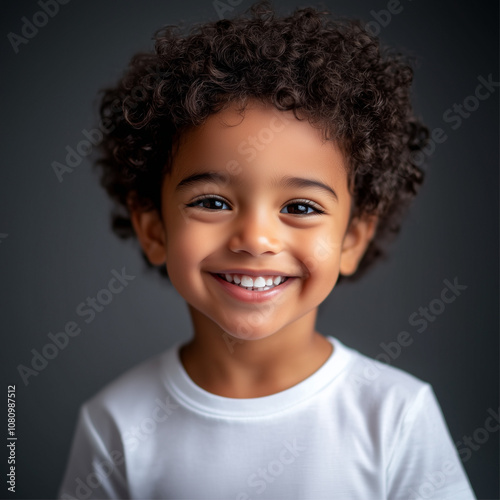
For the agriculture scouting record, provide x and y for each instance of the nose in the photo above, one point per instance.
(256, 232)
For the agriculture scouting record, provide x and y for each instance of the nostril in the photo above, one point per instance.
(255, 241)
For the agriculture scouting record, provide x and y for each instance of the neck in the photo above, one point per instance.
(232, 367)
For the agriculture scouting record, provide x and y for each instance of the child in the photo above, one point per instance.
(260, 161)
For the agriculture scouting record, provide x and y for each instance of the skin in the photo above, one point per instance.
(241, 349)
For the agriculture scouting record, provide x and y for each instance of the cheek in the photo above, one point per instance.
(321, 254)
(188, 244)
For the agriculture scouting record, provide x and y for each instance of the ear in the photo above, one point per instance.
(356, 240)
(150, 232)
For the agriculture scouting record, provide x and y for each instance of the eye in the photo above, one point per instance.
(303, 207)
(209, 203)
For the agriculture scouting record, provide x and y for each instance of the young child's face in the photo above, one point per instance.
(243, 197)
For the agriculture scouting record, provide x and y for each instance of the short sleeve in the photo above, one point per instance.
(95, 470)
(424, 462)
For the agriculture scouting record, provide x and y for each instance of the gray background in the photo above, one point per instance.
(60, 250)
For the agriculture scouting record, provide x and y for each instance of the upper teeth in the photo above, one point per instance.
(256, 282)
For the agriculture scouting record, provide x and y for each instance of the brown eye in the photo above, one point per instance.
(302, 208)
(209, 203)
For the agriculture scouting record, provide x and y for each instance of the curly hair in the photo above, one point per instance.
(331, 71)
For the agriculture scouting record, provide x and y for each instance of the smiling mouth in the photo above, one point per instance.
(256, 284)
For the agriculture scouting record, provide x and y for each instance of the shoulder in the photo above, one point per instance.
(135, 393)
(394, 405)
(372, 385)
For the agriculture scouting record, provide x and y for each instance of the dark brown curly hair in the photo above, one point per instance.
(331, 71)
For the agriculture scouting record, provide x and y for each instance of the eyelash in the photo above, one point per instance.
(303, 202)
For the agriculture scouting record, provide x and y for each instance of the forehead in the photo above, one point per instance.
(258, 142)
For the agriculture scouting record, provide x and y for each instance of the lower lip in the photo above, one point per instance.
(249, 295)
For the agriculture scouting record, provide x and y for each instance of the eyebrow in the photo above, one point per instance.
(300, 182)
(202, 177)
(285, 182)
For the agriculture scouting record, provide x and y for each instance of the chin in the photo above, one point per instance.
(244, 331)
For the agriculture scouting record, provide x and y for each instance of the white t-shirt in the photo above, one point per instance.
(355, 429)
